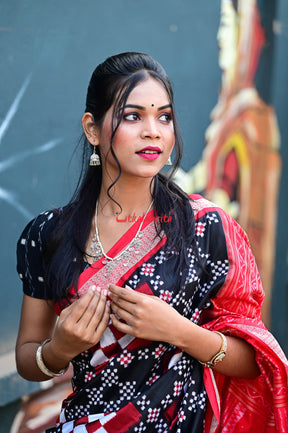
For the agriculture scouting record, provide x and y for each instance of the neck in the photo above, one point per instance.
(132, 197)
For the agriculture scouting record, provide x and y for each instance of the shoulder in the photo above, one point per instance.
(205, 212)
(201, 206)
(30, 247)
(224, 245)
(217, 232)
(38, 230)
(211, 213)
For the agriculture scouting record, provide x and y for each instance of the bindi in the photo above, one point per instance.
(152, 105)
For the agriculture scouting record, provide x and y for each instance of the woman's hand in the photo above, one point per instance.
(144, 316)
(80, 326)
(150, 318)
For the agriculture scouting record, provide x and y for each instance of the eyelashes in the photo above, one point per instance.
(166, 117)
(133, 117)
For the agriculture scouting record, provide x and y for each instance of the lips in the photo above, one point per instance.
(150, 152)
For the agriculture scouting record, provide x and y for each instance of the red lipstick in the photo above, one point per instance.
(150, 152)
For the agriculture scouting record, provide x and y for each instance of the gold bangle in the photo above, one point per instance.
(42, 366)
(220, 355)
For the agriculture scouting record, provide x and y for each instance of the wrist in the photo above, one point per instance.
(219, 355)
(180, 334)
(52, 360)
(208, 347)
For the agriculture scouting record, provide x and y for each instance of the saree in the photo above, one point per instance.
(127, 384)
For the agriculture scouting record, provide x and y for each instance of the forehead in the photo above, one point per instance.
(149, 91)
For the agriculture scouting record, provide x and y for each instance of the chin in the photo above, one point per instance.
(147, 174)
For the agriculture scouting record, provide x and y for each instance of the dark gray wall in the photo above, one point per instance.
(48, 52)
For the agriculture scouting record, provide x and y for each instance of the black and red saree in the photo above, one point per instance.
(125, 384)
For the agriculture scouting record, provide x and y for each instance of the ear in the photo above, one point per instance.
(90, 129)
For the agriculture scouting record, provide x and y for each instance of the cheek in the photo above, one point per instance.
(123, 136)
(171, 137)
(105, 136)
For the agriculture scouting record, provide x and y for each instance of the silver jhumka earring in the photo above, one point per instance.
(94, 158)
(169, 162)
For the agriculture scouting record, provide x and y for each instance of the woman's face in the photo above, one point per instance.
(145, 137)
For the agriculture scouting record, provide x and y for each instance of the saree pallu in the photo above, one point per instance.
(125, 384)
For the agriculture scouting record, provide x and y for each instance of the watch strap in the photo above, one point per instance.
(220, 355)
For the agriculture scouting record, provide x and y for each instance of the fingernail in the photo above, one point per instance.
(127, 287)
(98, 289)
(93, 288)
(105, 292)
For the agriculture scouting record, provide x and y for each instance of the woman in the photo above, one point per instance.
(148, 283)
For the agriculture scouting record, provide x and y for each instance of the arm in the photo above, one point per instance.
(36, 325)
(141, 313)
(202, 344)
(79, 327)
(236, 300)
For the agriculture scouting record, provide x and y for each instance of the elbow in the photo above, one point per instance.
(21, 366)
(26, 364)
(253, 371)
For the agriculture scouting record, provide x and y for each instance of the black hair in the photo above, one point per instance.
(111, 83)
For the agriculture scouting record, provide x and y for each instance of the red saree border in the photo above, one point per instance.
(97, 273)
(101, 275)
(122, 242)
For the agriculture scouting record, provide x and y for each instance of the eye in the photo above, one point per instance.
(165, 117)
(131, 117)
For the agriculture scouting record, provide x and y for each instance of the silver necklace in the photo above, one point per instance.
(97, 250)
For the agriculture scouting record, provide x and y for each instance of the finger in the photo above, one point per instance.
(124, 293)
(121, 303)
(77, 309)
(122, 327)
(99, 311)
(125, 315)
(91, 310)
(102, 325)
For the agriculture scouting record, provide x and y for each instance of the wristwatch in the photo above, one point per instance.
(220, 355)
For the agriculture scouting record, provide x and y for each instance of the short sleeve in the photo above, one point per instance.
(30, 263)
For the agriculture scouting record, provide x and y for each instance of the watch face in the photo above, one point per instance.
(219, 358)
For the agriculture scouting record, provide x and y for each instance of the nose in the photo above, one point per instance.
(150, 129)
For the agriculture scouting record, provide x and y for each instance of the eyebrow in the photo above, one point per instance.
(140, 107)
